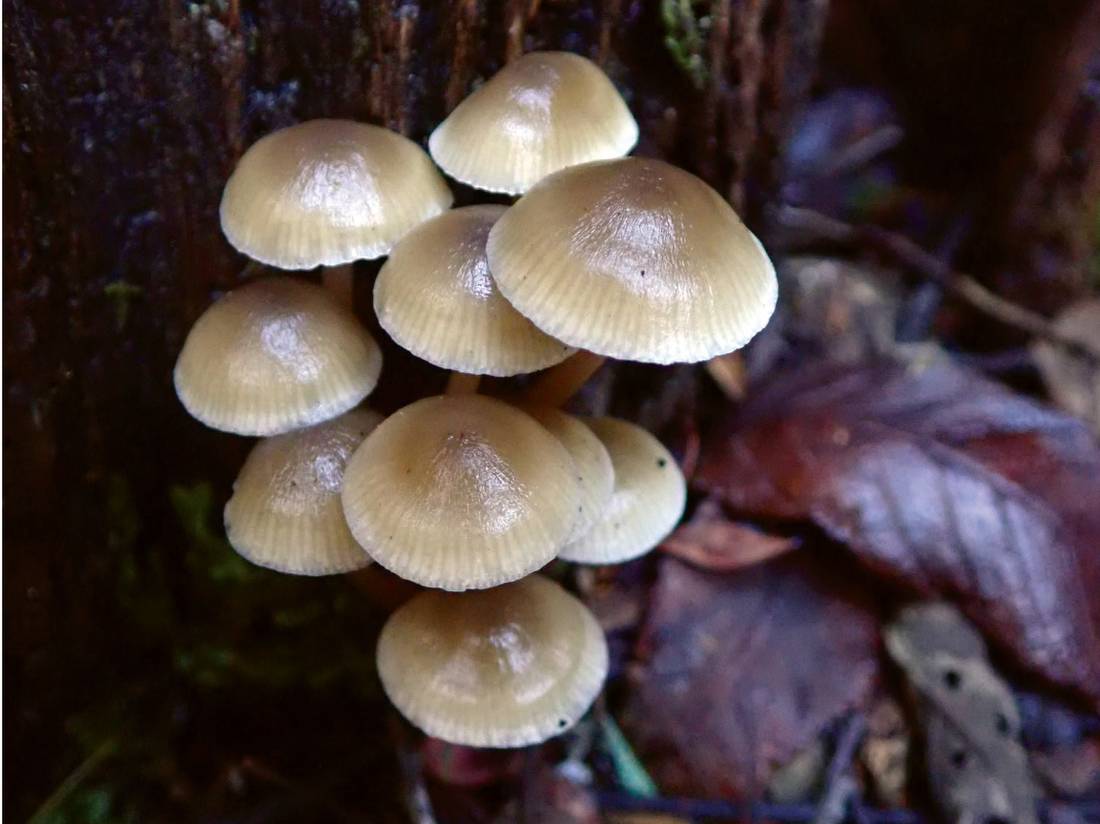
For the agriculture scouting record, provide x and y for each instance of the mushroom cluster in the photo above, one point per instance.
(469, 495)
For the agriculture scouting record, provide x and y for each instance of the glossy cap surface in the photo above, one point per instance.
(274, 355)
(285, 513)
(636, 260)
(540, 113)
(504, 667)
(461, 492)
(327, 192)
(436, 298)
(649, 497)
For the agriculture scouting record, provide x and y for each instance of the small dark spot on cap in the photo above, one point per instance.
(958, 759)
(1002, 724)
(661, 462)
(643, 273)
(562, 723)
(952, 679)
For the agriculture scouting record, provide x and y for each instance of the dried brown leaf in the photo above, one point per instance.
(712, 541)
(741, 672)
(940, 479)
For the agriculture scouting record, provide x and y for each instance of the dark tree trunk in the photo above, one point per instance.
(122, 120)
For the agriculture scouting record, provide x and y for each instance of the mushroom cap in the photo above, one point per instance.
(595, 473)
(633, 259)
(285, 512)
(649, 497)
(436, 298)
(461, 492)
(542, 112)
(504, 667)
(327, 192)
(274, 355)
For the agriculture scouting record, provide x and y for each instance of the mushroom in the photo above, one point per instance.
(595, 473)
(285, 513)
(631, 259)
(504, 667)
(541, 113)
(326, 193)
(461, 492)
(436, 298)
(275, 355)
(646, 504)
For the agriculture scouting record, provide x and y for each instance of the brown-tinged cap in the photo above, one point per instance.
(648, 500)
(503, 667)
(633, 259)
(541, 113)
(327, 192)
(461, 492)
(285, 513)
(274, 355)
(436, 298)
(595, 473)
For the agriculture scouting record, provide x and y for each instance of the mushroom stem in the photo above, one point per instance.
(461, 383)
(558, 384)
(338, 280)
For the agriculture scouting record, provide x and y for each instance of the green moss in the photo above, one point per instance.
(685, 37)
(122, 295)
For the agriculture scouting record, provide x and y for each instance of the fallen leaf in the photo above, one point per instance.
(940, 479)
(741, 672)
(712, 541)
(1073, 381)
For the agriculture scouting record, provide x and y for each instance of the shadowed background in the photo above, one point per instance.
(124, 612)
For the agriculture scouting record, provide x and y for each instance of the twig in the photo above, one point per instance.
(912, 256)
(840, 788)
(74, 779)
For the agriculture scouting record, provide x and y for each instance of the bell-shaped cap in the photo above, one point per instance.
(274, 355)
(542, 112)
(504, 667)
(285, 513)
(636, 260)
(595, 474)
(649, 497)
(327, 192)
(436, 298)
(461, 492)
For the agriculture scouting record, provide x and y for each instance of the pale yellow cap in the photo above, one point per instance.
(636, 260)
(504, 667)
(327, 192)
(436, 298)
(540, 113)
(461, 492)
(285, 513)
(275, 355)
(649, 497)
(595, 474)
